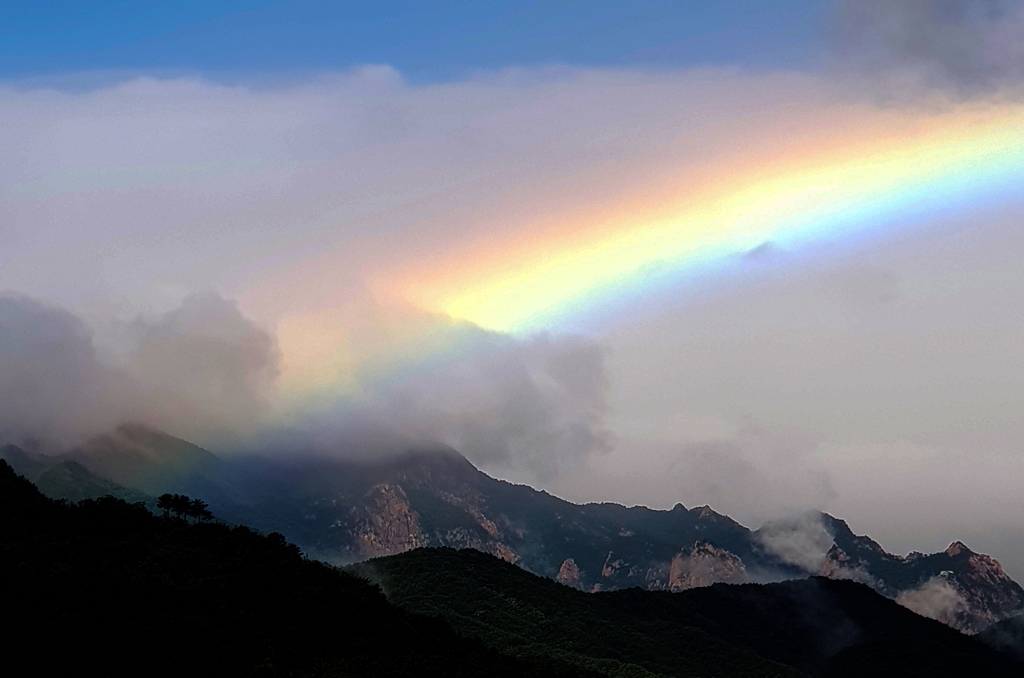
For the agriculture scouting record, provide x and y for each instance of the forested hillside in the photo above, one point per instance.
(815, 627)
(104, 587)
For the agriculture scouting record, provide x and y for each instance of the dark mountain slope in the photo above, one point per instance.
(72, 481)
(143, 458)
(532, 617)
(987, 593)
(821, 627)
(26, 463)
(1006, 636)
(107, 588)
(345, 511)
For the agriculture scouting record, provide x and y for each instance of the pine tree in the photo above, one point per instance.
(199, 510)
(165, 502)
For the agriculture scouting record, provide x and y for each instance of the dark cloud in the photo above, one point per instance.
(968, 46)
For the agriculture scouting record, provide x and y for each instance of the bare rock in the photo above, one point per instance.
(569, 574)
(704, 564)
(386, 523)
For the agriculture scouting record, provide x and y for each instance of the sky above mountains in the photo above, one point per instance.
(764, 256)
(425, 41)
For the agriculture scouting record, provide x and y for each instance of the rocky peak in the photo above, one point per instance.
(836, 562)
(958, 547)
(836, 554)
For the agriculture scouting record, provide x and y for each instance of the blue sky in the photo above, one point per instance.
(426, 41)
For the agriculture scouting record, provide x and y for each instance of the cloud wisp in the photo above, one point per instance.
(938, 598)
(802, 541)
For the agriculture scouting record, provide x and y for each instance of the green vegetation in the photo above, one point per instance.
(815, 627)
(183, 507)
(535, 618)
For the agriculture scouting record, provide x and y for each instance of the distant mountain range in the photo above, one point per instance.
(110, 588)
(344, 511)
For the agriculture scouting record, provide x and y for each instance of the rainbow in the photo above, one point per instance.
(896, 169)
(843, 175)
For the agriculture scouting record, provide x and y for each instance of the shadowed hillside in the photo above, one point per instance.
(108, 588)
(818, 626)
(1006, 636)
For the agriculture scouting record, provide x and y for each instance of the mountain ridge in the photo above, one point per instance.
(344, 511)
(189, 597)
(817, 626)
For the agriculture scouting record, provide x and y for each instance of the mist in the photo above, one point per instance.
(525, 408)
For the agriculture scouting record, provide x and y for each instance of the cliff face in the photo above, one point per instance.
(345, 511)
(384, 524)
(569, 574)
(703, 565)
(984, 584)
(442, 500)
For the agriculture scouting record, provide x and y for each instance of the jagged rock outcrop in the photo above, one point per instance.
(386, 524)
(988, 592)
(569, 574)
(704, 564)
(964, 589)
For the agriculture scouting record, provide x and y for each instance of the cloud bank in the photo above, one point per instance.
(529, 408)
(201, 370)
